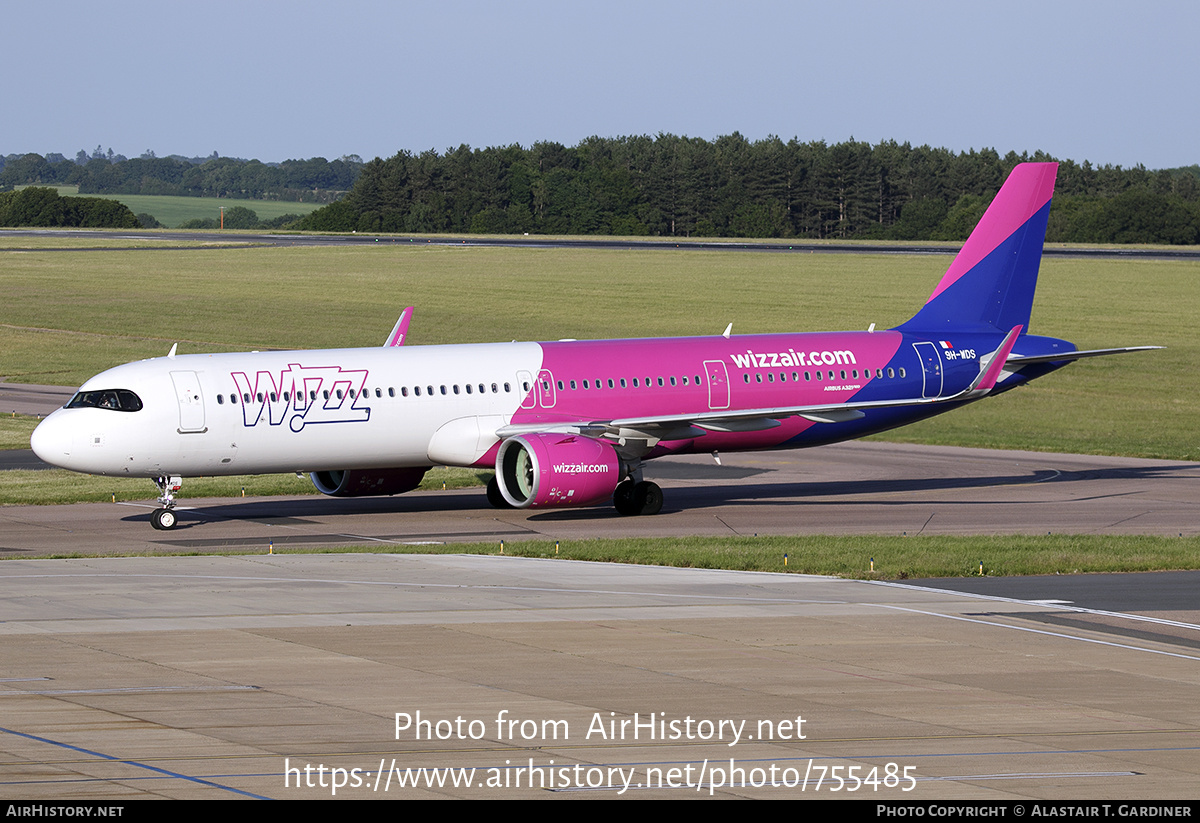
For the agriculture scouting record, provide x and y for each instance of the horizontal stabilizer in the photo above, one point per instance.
(1016, 361)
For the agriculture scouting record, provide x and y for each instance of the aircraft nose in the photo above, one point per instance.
(51, 440)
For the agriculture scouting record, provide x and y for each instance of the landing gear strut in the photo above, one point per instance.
(164, 518)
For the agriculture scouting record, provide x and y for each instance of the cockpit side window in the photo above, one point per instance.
(115, 399)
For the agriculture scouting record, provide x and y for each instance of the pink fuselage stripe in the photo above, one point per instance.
(760, 371)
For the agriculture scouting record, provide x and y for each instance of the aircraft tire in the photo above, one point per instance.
(494, 496)
(647, 498)
(163, 519)
(623, 498)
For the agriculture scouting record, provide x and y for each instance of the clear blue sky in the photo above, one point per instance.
(1103, 81)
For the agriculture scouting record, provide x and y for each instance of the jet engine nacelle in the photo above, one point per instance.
(535, 470)
(366, 482)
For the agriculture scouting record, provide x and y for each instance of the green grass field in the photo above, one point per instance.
(173, 211)
(67, 315)
(57, 486)
(866, 557)
(869, 557)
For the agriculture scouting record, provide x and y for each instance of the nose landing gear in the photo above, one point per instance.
(164, 518)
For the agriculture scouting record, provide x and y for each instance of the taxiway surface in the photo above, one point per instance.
(849, 488)
(279, 676)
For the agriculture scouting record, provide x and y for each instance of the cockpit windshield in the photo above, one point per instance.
(115, 399)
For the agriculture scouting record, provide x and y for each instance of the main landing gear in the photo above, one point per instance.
(494, 495)
(637, 497)
(163, 518)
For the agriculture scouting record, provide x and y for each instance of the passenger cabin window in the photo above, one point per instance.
(115, 399)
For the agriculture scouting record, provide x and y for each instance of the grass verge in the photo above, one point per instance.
(50, 487)
(15, 431)
(865, 558)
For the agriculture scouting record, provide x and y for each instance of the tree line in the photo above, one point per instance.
(314, 180)
(41, 207)
(660, 186)
(732, 187)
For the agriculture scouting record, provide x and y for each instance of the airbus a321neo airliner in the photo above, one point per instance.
(570, 423)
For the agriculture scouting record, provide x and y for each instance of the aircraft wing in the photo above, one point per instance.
(695, 424)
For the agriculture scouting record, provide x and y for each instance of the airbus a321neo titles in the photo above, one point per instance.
(570, 423)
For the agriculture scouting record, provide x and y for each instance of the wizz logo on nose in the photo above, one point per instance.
(302, 395)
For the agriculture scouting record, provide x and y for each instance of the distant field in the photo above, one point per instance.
(114, 239)
(172, 211)
(67, 315)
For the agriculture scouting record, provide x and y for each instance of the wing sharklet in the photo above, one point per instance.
(400, 330)
(990, 372)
